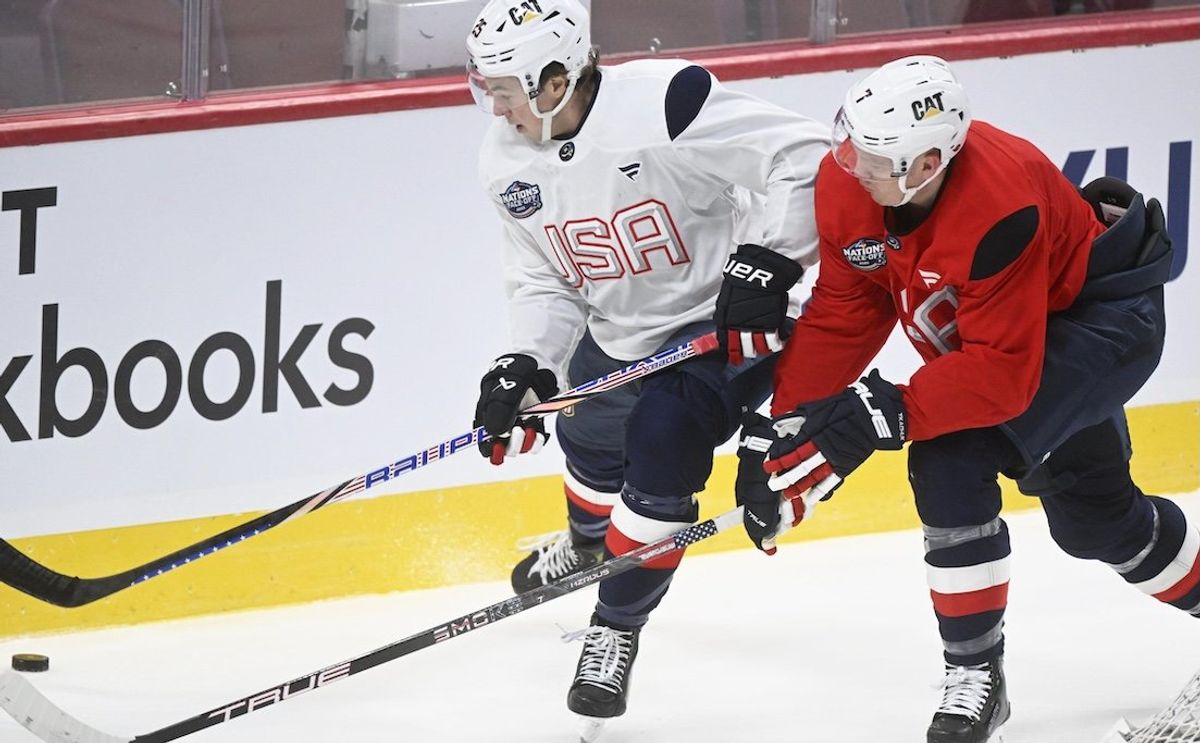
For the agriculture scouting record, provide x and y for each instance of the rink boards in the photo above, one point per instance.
(466, 534)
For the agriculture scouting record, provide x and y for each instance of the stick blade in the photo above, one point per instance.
(32, 709)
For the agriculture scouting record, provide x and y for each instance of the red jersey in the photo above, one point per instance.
(1005, 244)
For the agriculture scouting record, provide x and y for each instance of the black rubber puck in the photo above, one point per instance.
(30, 662)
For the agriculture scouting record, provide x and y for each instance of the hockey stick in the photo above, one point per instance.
(29, 576)
(32, 709)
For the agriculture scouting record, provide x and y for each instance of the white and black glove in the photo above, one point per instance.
(752, 304)
(820, 443)
(513, 383)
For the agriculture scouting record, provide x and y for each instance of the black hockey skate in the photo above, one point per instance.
(602, 677)
(974, 705)
(554, 556)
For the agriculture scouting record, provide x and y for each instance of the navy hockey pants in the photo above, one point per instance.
(637, 456)
(1072, 449)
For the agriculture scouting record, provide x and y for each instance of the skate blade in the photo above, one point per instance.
(593, 728)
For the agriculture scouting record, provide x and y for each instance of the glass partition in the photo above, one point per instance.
(70, 52)
(76, 51)
(866, 16)
(259, 43)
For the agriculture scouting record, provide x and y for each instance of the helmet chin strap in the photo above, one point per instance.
(548, 117)
(909, 193)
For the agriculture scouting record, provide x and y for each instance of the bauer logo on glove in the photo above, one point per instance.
(752, 305)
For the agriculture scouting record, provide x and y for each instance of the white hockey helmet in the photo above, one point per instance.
(899, 112)
(518, 39)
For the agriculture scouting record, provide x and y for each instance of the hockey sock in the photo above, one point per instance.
(967, 569)
(588, 508)
(1168, 567)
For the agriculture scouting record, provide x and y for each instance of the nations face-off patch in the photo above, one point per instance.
(522, 199)
(868, 254)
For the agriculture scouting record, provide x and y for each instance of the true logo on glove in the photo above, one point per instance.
(882, 429)
(754, 517)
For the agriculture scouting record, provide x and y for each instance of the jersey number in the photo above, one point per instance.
(596, 250)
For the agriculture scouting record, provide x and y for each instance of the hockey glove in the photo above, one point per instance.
(513, 383)
(752, 304)
(762, 506)
(822, 442)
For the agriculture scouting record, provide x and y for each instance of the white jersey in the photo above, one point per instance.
(625, 227)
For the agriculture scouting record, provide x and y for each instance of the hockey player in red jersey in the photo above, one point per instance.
(1038, 312)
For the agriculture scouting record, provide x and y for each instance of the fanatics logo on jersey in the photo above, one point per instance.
(566, 152)
(522, 199)
(631, 170)
(868, 254)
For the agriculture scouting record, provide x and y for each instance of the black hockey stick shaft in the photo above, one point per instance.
(31, 577)
(446, 631)
(22, 700)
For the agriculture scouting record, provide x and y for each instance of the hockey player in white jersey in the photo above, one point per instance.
(623, 191)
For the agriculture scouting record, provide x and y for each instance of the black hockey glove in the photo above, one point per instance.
(513, 383)
(761, 516)
(821, 443)
(752, 304)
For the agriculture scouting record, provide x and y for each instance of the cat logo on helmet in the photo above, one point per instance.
(526, 11)
(479, 26)
(867, 254)
(522, 199)
(928, 108)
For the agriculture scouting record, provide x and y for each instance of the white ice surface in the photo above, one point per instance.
(827, 641)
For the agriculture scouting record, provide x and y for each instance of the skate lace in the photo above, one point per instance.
(556, 555)
(605, 655)
(965, 690)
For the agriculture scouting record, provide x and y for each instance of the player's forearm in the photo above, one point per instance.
(820, 360)
(546, 327)
(790, 225)
(975, 389)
